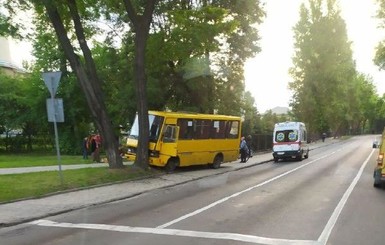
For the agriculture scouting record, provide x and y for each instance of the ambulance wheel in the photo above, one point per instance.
(300, 156)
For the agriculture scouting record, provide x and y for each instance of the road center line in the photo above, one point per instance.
(241, 192)
(337, 211)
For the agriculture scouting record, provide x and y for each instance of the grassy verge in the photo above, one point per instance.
(19, 186)
(32, 160)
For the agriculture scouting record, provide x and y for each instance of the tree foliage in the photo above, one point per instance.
(329, 94)
(379, 58)
(187, 55)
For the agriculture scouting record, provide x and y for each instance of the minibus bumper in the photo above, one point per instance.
(130, 157)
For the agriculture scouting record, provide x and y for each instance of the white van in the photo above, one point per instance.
(290, 141)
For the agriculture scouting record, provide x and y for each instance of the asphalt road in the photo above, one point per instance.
(326, 199)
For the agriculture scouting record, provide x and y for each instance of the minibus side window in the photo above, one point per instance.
(202, 129)
(218, 129)
(232, 129)
(169, 133)
(185, 128)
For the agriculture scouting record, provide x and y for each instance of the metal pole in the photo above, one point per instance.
(56, 135)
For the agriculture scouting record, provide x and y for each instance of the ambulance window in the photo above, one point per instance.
(292, 135)
(280, 136)
(286, 136)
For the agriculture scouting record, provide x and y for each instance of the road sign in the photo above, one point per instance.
(51, 80)
(55, 110)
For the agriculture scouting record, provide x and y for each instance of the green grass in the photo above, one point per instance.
(31, 185)
(32, 160)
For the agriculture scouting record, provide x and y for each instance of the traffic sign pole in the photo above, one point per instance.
(52, 79)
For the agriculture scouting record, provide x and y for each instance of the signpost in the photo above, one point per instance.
(54, 108)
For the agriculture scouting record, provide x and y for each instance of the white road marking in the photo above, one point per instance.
(160, 230)
(239, 193)
(337, 211)
(174, 232)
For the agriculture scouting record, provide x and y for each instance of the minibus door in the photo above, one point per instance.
(169, 140)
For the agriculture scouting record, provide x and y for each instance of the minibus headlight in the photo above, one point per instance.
(380, 159)
(154, 153)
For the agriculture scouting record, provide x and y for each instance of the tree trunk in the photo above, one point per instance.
(141, 102)
(89, 82)
(141, 24)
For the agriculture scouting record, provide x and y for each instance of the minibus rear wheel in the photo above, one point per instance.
(218, 159)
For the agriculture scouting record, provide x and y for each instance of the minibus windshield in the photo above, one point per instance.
(155, 124)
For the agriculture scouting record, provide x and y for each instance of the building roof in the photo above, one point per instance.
(9, 65)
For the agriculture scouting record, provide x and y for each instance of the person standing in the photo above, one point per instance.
(85, 148)
(323, 137)
(93, 146)
(97, 142)
(243, 149)
(249, 140)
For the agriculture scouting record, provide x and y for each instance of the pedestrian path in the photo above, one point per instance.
(23, 170)
(31, 209)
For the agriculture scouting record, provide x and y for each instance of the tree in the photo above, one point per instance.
(323, 70)
(189, 64)
(141, 26)
(379, 58)
(251, 116)
(198, 50)
(7, 28)
(86, 73)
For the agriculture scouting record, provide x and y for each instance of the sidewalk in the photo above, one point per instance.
(31, 209)
(4, 171)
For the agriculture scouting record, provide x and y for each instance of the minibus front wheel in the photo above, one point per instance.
(377, 178)
(171, 165)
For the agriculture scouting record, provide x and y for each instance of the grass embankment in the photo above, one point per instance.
(34, 160)
(31, 185)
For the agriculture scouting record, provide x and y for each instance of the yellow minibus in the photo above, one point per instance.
(379, 169)
(184, 139)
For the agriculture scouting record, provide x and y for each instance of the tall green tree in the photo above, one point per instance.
(323, 69)
(194, 58)
(199, 52)
(251, 116)
(379, 58)
(141, 21)
(85, 70)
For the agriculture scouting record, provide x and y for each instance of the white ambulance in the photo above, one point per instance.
(290, 141)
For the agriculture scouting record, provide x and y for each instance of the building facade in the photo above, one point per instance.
(6, 64)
